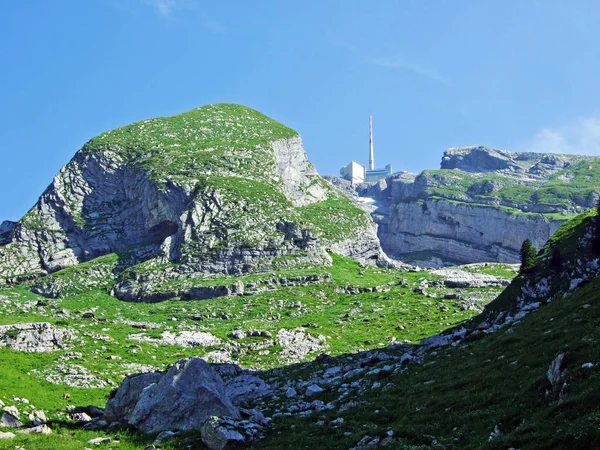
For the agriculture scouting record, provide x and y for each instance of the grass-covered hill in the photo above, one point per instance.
(218, 190)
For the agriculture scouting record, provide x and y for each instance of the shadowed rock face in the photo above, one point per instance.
(6, 230)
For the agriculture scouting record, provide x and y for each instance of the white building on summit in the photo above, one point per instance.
(355, 173)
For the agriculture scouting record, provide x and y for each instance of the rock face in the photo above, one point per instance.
(218, 190)
(182, 399)
(481, 205)
(34, 337)
(461, 232)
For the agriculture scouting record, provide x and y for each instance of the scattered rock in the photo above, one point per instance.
(165, 436)
(495, 434)
(40, 429)
(183, 339)
(10, 421)
(6, 435)
(34, 337)
(217, 436)
(246, 388)
(37, 417)
(291, 393)
(555, 372)
(100, 441)
(314, 389)
(81, 417)
(297, 344)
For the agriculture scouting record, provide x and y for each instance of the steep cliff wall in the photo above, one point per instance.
(459, 232)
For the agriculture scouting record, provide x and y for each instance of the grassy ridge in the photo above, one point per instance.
(569, 191)
(214, 139)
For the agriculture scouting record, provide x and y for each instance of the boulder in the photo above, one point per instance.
(313, 390)
(180, 400)
(120, 406)
(40, 429)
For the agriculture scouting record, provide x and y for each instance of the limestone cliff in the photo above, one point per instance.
(221, 189)
(481, 205)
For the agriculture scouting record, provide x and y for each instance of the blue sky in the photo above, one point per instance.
(516, 74)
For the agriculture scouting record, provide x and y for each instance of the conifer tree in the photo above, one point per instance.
(528, 253)
(596, 237)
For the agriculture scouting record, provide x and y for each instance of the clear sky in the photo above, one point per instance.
(512, 74)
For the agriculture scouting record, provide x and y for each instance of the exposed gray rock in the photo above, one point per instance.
(246, 388)
(313, 389)
(183, 338)
(6, 231)
(422, 220)
(81, 417)
(217, 435)
(7, 435)
(37, 417)
(10, 420)
(100, 440)
(165, 436)
(478, 159)
(34, 337)
(120, 407)
(297, 343)
(301, 182)
(455, 277)
(461, 233)
(556, 373)
(182, 399)
(39, 429)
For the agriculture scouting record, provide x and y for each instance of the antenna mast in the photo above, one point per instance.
(371, 154)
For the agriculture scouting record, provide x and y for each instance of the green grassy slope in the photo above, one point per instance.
(349, 322)
(459, 395)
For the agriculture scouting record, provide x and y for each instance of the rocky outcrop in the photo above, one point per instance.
(34, 337)
(301, 182)
(182, 399)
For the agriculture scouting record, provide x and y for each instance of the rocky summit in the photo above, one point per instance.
(191, 282)
(215, 191)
